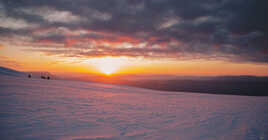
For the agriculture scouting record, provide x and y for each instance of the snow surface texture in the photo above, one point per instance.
(36, 109)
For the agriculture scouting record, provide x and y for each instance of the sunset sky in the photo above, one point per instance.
(180, 37)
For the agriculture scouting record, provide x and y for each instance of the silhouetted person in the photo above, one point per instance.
(29, 76)
(48, 78)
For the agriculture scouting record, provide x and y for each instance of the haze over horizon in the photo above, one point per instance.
(173, 37)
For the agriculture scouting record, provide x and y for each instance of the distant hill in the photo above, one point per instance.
(10, 72)
(229, 85)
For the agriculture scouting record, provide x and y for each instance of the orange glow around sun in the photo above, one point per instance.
(108, 65)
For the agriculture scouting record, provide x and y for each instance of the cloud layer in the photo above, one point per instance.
(177, 29)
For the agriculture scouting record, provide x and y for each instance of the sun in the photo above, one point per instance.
(107, 68)
(108, 65)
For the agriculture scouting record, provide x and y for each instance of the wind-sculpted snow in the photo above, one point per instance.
(35, 109)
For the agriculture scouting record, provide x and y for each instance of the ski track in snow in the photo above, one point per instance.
(36, 109)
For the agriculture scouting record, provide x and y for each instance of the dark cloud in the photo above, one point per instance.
(178, 29)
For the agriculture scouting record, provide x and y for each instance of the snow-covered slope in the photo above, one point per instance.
(35, 109)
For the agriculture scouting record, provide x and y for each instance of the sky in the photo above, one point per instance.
(203, 37)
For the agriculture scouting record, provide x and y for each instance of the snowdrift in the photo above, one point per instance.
(67, 110)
